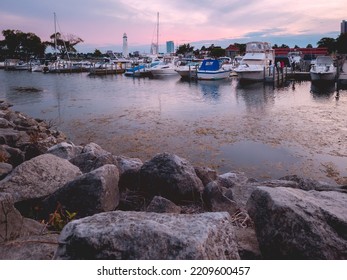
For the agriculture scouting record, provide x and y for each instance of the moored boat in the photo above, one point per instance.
(323, 69)
(188, 70)
(164, 68)
(140, 70)
(212, 69)
(255, 63)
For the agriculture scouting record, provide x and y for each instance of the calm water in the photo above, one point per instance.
(263, 131)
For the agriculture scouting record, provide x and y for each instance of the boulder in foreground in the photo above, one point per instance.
(140, 235)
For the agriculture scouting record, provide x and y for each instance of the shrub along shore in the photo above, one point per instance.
(65, 201)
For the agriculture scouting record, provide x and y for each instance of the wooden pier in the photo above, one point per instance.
(342, 78)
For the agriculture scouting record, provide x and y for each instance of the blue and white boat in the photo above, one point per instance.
(212, 69)
(141, 70)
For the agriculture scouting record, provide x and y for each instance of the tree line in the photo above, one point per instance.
(21, 45)
(338, 45)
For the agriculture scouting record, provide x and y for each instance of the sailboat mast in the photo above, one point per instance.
(157, 32)
(55, 35)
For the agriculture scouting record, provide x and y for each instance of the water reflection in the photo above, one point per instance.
(211, 89)
(321, 90)
(201, 119)
(257, 97)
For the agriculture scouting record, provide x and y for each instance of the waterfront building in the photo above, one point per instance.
(232, 51)
(343, 27)
(170, 47)
(125, 46)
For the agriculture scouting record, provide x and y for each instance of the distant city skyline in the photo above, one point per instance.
(101, 24)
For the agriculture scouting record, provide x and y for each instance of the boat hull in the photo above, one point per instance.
(323, 76)
(163, 72)
(213, 75)
(187, 74)
(255, 76)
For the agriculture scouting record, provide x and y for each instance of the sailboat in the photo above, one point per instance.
(61, 65)
(167, 64)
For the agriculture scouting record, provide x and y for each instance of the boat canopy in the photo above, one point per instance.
(210, 65)
(324, 60)
(258, 46)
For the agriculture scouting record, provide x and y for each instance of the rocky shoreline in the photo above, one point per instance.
(65, 201)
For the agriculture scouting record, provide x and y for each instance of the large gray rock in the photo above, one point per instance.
(162, 205)
(9, 136)
(129, 168)
(5, 169)
(171, 177)
(140, 235)
(38, 177)
(12, 224)
(33, 247)
(218, 198)
(310, 184)
(65, 150)
(229, 192)
(205, 174)
(88, 194)
(13, 156)
(296, 224)
(92, 157)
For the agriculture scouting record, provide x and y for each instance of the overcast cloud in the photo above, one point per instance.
(101, 23)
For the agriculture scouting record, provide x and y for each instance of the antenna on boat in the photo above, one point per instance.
(157, 32)
(55, 34)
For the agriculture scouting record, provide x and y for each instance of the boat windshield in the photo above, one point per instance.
(324, 60)
(257, 47)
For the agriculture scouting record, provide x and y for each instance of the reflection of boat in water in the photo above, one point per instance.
(212, 69)
(322, 90)
(323, 70)
(213, 89)
(258, 58)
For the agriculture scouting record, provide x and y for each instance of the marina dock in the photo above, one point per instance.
(342, 79)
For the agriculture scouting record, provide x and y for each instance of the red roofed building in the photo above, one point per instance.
(309, 51)
(232, 51)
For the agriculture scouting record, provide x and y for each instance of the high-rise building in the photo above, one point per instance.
(170, 47)
(343, 27)
(125, 46)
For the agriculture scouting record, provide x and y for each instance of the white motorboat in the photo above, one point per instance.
(323, 69)
(255, 64)
(212, 69)
(164, 68)
(188, 70)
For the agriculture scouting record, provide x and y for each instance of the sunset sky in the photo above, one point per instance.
(101, 23)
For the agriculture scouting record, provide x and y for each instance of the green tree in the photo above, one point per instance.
(18, 44)
(341, 43)
(309, 46)
(97, 53)
(284, 46)
(62, 45)
(217, 52)
(185, 49)
(327, 42)
(242, 47)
